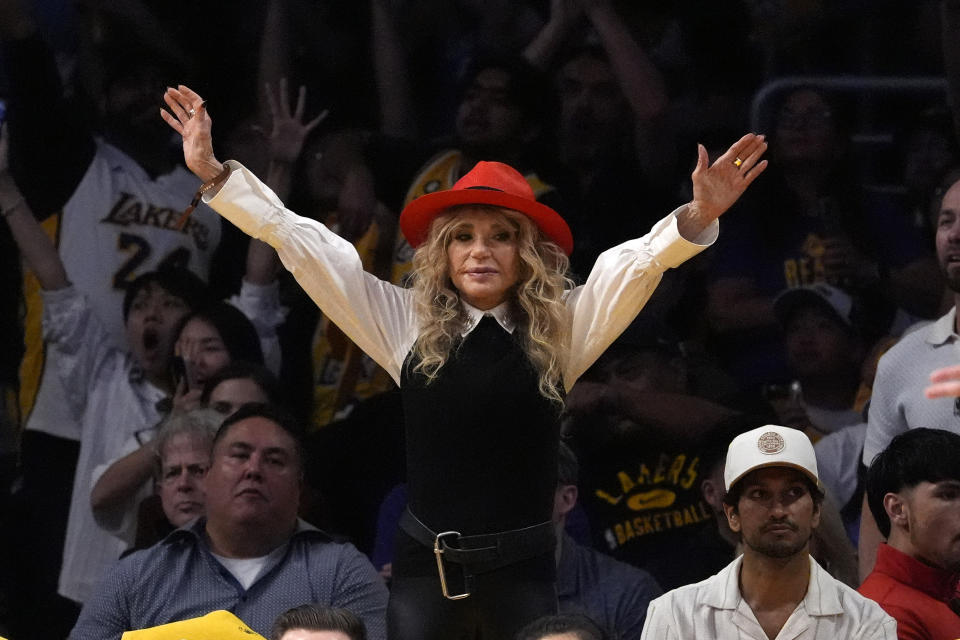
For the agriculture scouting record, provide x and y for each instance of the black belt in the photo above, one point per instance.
(484, 552)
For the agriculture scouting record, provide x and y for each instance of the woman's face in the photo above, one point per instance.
(202, 350)
(483, 257)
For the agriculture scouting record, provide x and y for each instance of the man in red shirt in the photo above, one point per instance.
(913, 489)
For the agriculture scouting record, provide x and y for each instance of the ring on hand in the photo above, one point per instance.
(193, 112)
(736, 161)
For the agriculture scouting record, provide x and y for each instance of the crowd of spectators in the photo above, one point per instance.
(123, 327)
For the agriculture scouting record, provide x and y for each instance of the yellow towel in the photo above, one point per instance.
(218, 625)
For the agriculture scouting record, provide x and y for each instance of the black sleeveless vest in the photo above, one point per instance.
(481, 440)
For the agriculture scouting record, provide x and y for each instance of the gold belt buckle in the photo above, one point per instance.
(438, 552)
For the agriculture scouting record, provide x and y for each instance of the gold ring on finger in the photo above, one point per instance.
(737, 161)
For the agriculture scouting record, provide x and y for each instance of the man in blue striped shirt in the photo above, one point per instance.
(250, 555)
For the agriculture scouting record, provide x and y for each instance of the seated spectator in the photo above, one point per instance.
(207, 339)
(562, 627)
(182, 458)
(828, 545)
(898, 402)
(824, 354)
(775, 589)
(249, 554)
(316, 622)
(612, 593)
(913, 489)
(237, 384)
(638, 432)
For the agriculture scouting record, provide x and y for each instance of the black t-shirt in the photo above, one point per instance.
(643, 500)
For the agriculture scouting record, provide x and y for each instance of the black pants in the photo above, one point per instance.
(501, 602)
(39, 526)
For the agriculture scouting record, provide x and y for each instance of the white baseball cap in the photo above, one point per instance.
(770, 446)
(830, 298)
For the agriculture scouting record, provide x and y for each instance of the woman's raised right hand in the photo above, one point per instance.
(188, 116)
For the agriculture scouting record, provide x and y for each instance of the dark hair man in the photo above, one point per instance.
(913, 490)
(562, 627)
(316, 622)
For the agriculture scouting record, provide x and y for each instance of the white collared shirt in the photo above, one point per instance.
(380, 317)
(500, 313)
(715, 608)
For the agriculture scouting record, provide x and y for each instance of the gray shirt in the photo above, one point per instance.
(898, 403)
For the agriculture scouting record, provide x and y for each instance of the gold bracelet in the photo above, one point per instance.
(6, 211)
(206, 186)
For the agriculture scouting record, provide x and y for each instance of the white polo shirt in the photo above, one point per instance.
(715, 608)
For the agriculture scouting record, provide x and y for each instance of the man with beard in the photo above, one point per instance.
(898, 403)
(111, 203)
(775, 589)
(913, 489)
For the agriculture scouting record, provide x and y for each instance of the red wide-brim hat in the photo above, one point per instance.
(488, 183)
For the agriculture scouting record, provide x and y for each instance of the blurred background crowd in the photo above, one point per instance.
(351, 108)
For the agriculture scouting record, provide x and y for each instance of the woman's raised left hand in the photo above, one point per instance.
(717, 186)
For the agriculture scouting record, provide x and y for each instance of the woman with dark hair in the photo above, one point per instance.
(484, 345)
(209, 339)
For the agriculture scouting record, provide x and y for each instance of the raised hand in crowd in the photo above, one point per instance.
(287, 134)
(35, 246)
(564, 15)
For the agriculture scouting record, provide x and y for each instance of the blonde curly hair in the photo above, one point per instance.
(536, 299)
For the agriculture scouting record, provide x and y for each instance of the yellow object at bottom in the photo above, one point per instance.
(221, 625)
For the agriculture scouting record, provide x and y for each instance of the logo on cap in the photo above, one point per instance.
(770, 443)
